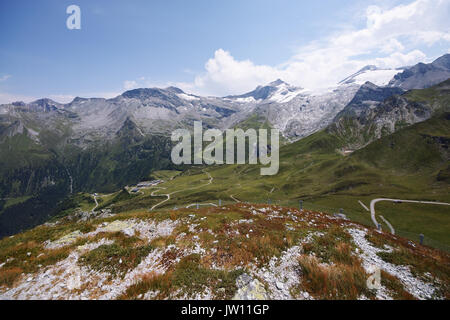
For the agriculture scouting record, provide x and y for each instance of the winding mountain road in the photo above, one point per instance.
(201, 204)
(374, 201)
(388, 224)
(159, 195)
(232, 197)
(96, 203)
(169, 194)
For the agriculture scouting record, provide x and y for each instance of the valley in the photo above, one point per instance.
(225, 150)
(382, 143)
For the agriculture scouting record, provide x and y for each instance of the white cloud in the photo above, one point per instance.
(61, 98)
(392, 45)
(224, 74)
(399, 59)
(392, 37)
(142, 82)
(130, 84)
(8, 98)
(5, 77)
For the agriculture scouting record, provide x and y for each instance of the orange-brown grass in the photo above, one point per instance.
(189, 276)
(160, 283)
(206, 239)
(376, 240)
(334, 246)
(163, 241)
(18, 261)
(115, 258)
(9, 275)
(15, 249)
(338, 281)
(181, 228)
(395, 287)
(168, 258)
(266, 237)
(329, 268)
(421, 264)
(118, 237)
(238, 250)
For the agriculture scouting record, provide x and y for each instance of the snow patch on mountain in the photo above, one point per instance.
(380, 77)
(285, 93)
(188, 97)
(245, 100)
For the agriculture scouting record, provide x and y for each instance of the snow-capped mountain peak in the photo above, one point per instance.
(284, 92)
(277, 83)
(371, 73)
(276, 91)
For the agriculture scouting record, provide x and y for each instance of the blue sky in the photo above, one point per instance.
(211, 47)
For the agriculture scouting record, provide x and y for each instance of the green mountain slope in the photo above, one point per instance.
(409, 164)
(421, 148)
(47, 167)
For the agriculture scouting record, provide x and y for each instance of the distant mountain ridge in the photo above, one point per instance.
(97, 144)
(295, 111)
(423, 75)
(376, 112)
(373, 74)
(366, 95)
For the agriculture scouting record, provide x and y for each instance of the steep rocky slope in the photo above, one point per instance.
(375, 112)
(423, 75)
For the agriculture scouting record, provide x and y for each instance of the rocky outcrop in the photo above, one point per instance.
(423, 75)
(369, 117)
(249, 289)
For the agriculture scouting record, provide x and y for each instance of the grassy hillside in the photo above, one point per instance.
(410, 164)
(421, 148)
(239, 251)
(437, 96)
(156, 244)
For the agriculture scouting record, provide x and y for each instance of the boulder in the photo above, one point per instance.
(249, 289)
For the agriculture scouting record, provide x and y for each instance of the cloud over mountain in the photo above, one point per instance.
(391, 38)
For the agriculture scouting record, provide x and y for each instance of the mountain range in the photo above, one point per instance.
(100, 145)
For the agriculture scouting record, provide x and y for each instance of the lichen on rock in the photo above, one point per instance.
(249, 289)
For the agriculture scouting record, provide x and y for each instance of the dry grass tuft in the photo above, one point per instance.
(159, 283)
(8, 276)
(338, 281)
(114, 258)
(395, 287)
